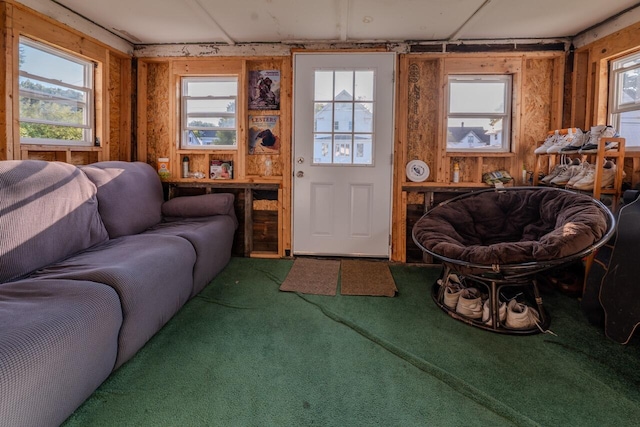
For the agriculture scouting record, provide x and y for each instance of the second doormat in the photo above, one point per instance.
(366, 278)
(357, 277)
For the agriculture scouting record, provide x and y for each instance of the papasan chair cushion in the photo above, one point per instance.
(522, 225)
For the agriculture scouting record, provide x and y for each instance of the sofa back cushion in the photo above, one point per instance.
(48, 211)
(129, 196)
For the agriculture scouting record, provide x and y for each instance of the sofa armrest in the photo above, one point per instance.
(199, 206)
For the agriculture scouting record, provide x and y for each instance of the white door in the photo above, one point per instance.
(343, 146)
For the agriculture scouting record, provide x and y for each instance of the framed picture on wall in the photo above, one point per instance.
(264, 90)
(264, 134)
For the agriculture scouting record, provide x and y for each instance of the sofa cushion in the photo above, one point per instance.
(58, 343)
(46, 208)
(212, 239)
(152, 274)
(129, 196)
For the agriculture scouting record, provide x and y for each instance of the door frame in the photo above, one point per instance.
(393, 155)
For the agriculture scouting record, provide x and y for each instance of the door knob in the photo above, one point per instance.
(299, 174)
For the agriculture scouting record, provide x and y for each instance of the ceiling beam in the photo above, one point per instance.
(204, 13)
(344, 19)
(456, 35)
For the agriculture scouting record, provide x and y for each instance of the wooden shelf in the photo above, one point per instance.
(598, 159)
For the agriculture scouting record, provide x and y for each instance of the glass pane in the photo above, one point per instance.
(52, 111)
(211, 106)
(364, 86)
(39, 130)
(221, 87)
(363, 151)
(363, 117)
(478, 133)
(630, 128)
(628, 62)
(342, 149)
(344, 86)
(322, 148)
(199, 138)
(195, 121)
(41, 89)
(42, 63)
(476, 97)
(630, 85)
(343, 117)
(323, 90)
(323, 117)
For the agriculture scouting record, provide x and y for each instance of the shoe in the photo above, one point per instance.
(486, 312)
(579, 139)
(551, 139)
(597, 132)
(569, 172)
(470, 303)
(565, 138)
(556, 171)
(521, 316)
(584, 167)
(609, 174)
(452, 289)
(586, 183)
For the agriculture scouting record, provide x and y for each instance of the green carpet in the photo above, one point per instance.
(243, 353)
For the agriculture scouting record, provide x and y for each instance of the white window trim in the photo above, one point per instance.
(184, 129)
(89, 90)
(507, 116)
(615, 75)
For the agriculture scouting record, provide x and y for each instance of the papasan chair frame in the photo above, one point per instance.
(496, 276)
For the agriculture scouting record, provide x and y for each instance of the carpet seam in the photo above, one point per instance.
(446, 378)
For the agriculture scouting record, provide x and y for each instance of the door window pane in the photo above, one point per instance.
(340, 119)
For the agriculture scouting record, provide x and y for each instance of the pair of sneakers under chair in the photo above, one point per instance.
(470, 303)
(512, 315)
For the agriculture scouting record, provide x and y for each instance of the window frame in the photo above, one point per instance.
(89, 116)
(616, 72)
(184, 115)
(507, 116)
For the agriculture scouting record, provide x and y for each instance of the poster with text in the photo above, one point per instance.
(264, 90)
(264, 134)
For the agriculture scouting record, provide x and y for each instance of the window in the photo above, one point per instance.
(625, 98)
(56, 96)
(343, 117)
(209, 112)
(479, 113)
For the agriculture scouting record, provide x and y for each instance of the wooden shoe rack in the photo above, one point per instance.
(546, 162)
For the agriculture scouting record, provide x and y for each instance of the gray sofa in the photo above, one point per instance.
(93, 262)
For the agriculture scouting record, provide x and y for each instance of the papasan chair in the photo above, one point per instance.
(495, 242)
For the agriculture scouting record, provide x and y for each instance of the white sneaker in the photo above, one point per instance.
(452, 289)
(609, 174)
(521, 316)
(565, 138)
(597, 132)
(586, 183)
(486, 312)
(584, 167)
(569, 172)
(559, 168)
(551, 139)
(579, 138)
(470, 303)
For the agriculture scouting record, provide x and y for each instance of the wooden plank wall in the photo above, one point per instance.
(538, 88)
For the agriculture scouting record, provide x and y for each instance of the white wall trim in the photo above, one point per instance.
(607, 28)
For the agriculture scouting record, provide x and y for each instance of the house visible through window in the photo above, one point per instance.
(479, 113)
(209, 112)
(56, 96)
(625, 99)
